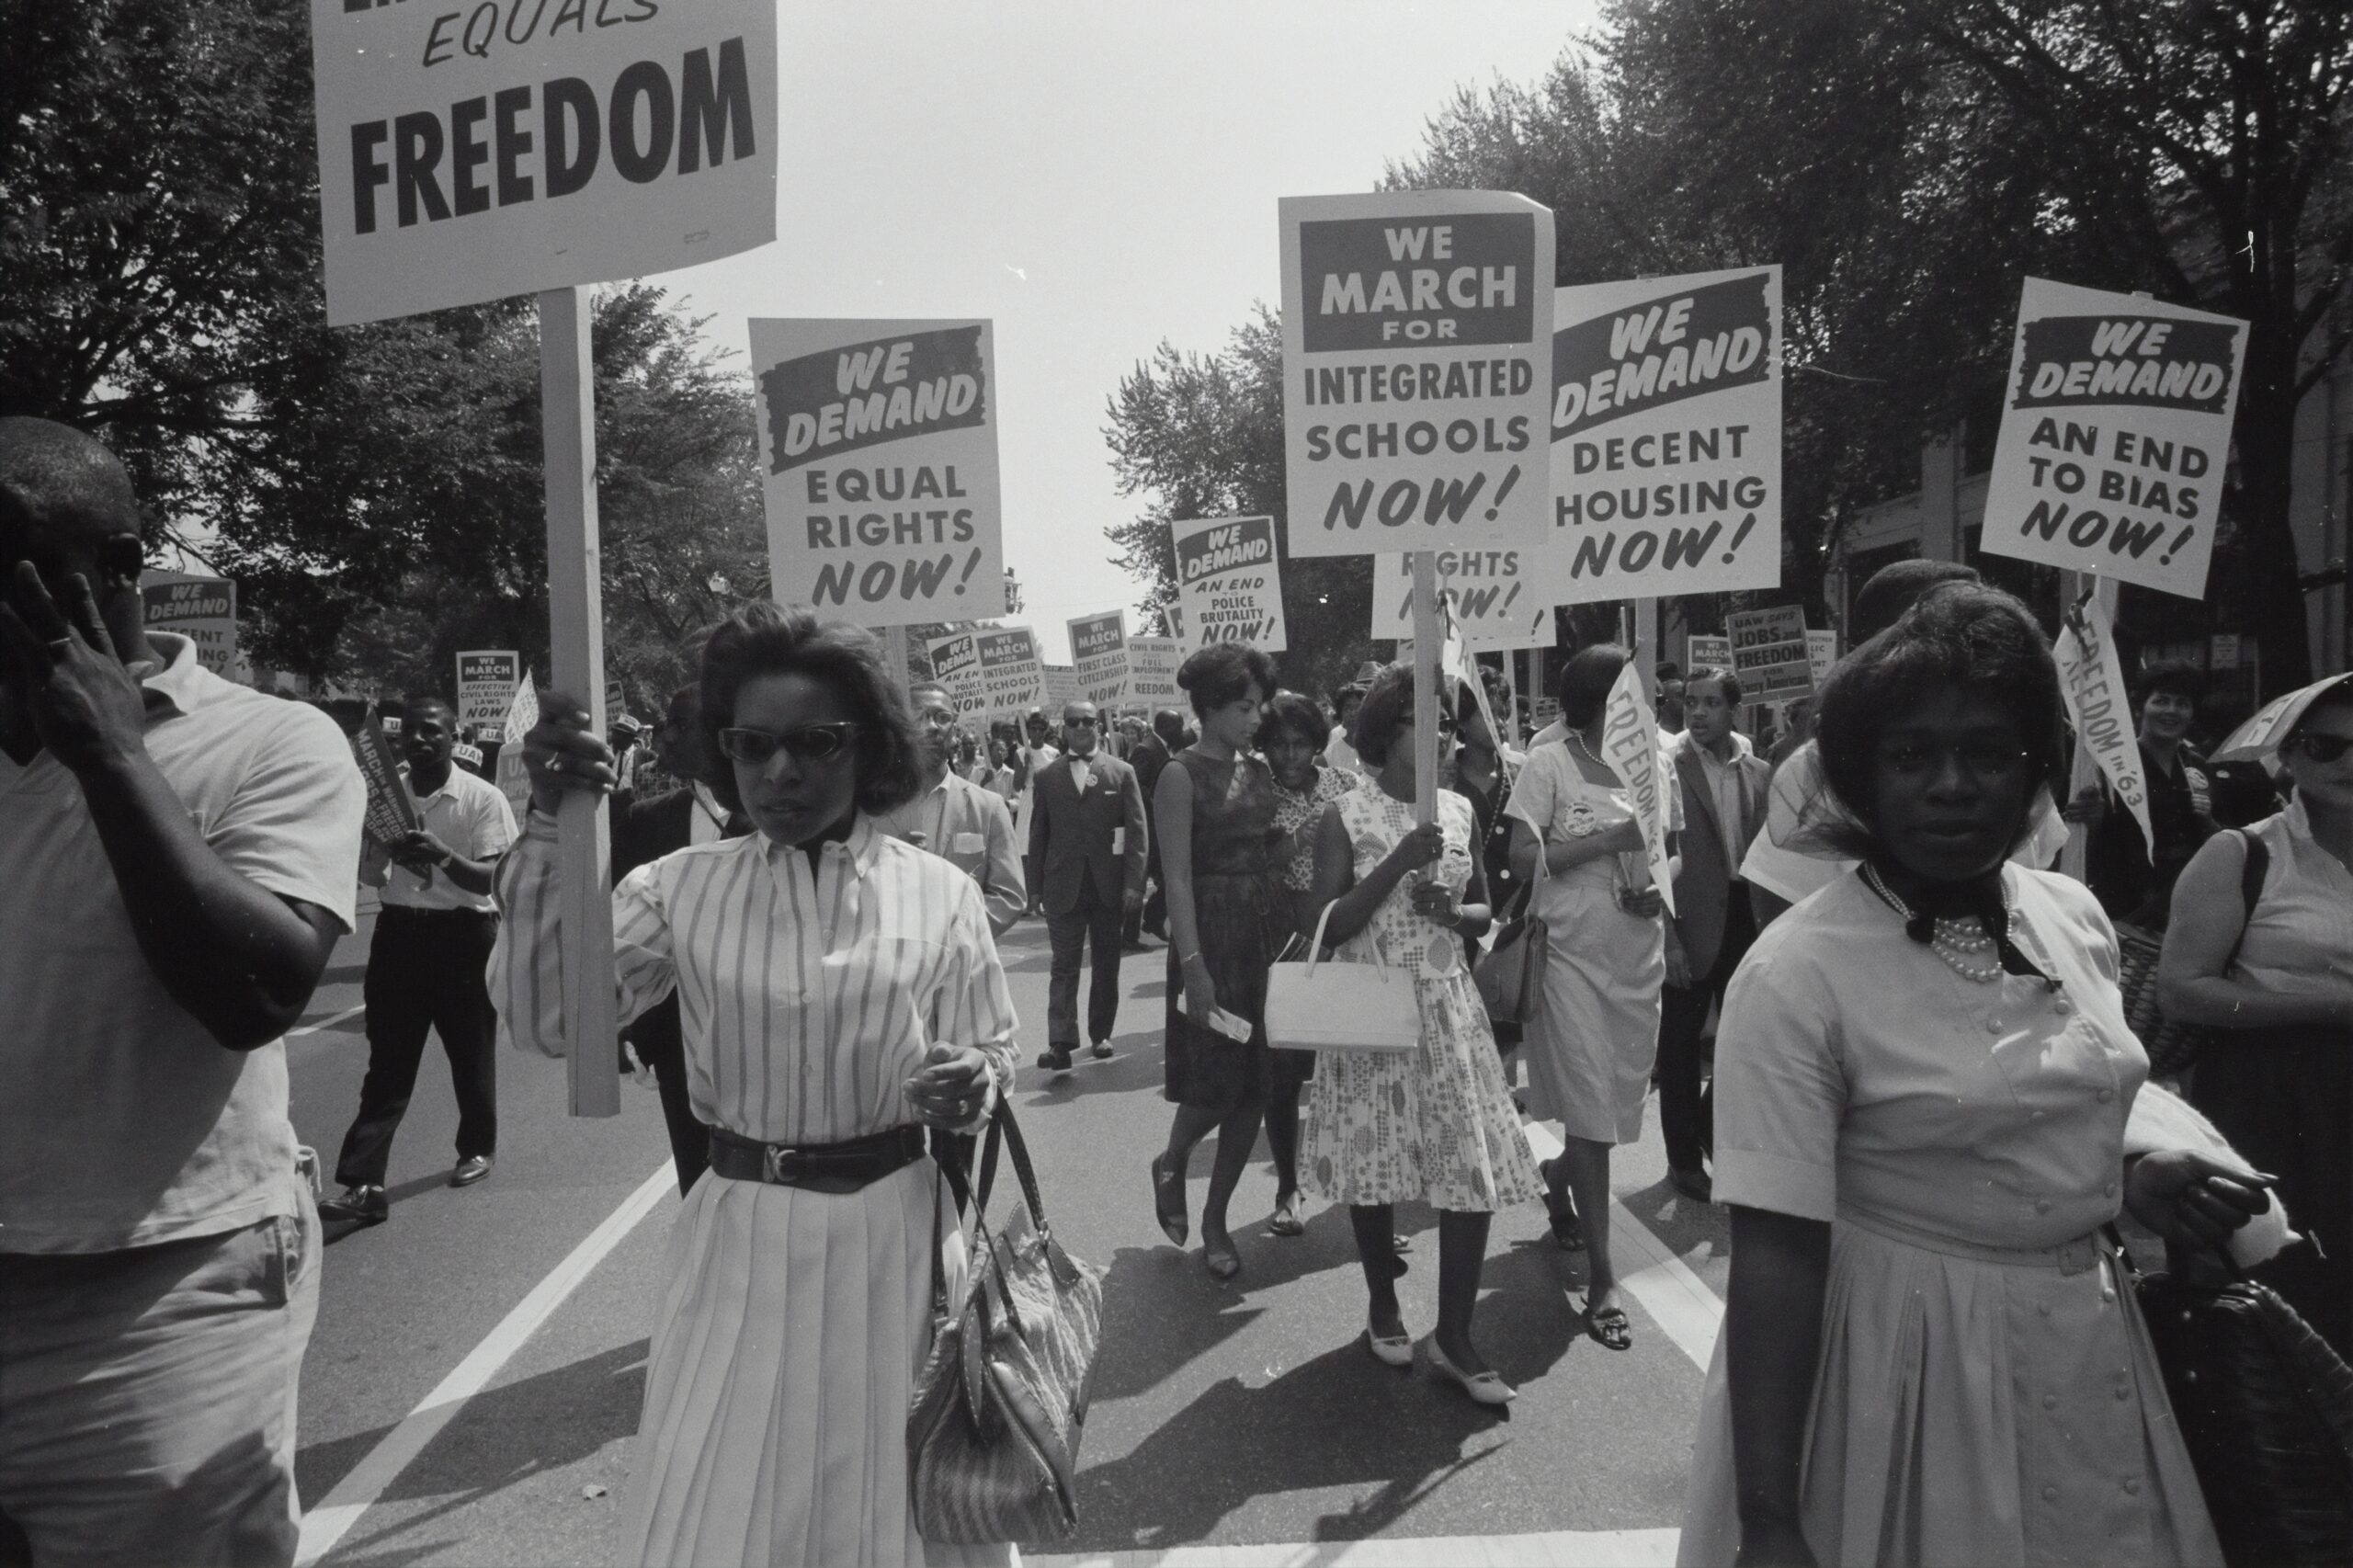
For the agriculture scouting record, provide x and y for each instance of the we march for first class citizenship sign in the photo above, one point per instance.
(472, 150)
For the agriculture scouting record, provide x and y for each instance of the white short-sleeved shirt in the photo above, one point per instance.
(1856, 1070)
(472, 818)
(122, 1121)
(1554, 796)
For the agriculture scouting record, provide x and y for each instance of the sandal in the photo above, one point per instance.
(1610, 1327)
(1568, 1235)
(1169, 1203)
(1286, 1221)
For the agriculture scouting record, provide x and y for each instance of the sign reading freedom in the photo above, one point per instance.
(472, 151)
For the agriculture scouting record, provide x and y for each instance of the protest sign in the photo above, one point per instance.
(878, 458)
(1153, 662)
(1666, 435)
(2099, 705)
(1415, 326)
(202, 609)
(1703, 652)
(1770, 652)
(471, 151)
(391, 811)
(2116, 429)
(1821, 652)
(1629, 744)
(1098, 643)
(955, 664)
(513, 780)
(486, 679)
(1499, 599)
(1010, 678)
(1057, 686)
(1230, 584)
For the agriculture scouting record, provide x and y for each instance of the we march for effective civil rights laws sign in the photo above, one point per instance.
(472, 150)
(1418, 330)
(2116, 428)
(878, 462)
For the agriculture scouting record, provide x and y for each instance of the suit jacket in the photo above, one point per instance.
(970, 826)
(1703, 882)
(1071, 834)
(1149, 757)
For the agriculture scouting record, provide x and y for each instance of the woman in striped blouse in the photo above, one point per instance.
(839, 991)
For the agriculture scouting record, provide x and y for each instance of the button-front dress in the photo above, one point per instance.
(1987, 1393)
(785, 1350)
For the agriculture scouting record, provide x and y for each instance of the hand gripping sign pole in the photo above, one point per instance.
(576, 628)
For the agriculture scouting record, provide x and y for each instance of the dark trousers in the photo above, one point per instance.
(1686, 1108)
(1095, 920)
(425, 971)
(661, 1045)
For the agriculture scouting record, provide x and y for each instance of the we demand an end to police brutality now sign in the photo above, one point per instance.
(474, 149)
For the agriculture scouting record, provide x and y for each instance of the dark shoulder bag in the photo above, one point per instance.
(2173, 1046)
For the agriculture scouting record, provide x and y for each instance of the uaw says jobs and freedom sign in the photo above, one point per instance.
(476, 149)
(1417, 326)
(877, 459)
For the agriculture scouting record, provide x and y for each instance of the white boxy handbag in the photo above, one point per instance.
(1340, 1005)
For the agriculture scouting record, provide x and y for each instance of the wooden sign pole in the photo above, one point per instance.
(1645, 633)
(895, 645)
(576, 628)
(1428, 631)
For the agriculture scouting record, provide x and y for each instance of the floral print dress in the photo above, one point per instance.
(1435, 1123)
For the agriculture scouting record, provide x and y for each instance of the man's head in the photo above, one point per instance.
(677, 740)
(1669, 677)
(428, 729)
(66, 506)
(2168, 693)
(1169, 725)
(1082, 728)
(1880, 602)
(934, 716)
(1711, 701)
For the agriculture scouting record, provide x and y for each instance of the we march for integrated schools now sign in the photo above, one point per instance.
(468, 151)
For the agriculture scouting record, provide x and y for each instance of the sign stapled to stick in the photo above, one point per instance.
(877, 457)
(392, 810)
(1231, 582)
(955, 664)
(1415, 326)
(1706, 650)
(486, 681)
(1098, 645)
(2116, 429)
(1011, 677)
(1153, 662)
(202, 609)
(471, 151)
(1770, 652)
(1499, 599)
(1666, 435)
(1058, 684)
(2099, 705)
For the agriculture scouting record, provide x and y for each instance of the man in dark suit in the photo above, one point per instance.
(1724, 786)
(1148, 757)
(1087, 837)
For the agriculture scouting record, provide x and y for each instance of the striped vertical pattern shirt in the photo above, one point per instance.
(806, 997)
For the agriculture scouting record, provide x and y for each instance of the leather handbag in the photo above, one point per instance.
(2265, 1409)
(1000, 1403)
(1511, 976)
(1320, 1005)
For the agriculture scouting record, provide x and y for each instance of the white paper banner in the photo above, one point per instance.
(2099, 706)
(1629, 744)
(1231, 583)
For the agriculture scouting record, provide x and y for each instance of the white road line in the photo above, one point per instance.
(1549, 1548)
(1677, 1299)
(325, 1524)
(326, 1023)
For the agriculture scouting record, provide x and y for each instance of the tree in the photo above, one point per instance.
(1203, 436)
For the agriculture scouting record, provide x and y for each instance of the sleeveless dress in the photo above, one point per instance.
(1240, 917)
(1436, 1123)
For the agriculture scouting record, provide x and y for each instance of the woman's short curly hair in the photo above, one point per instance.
(1387, 706)
(1221, 672)
(767, 640)
(1961, 634)
(1289, 712)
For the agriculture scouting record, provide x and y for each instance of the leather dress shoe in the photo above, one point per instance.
(471, 1169)
(357, 1205)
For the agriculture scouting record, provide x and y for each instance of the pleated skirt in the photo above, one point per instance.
(1971, 1413)
(776, 1388)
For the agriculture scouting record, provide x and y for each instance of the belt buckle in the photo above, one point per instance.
(774, 1163)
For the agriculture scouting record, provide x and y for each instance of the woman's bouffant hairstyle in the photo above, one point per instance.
(767, 640)
(1387, 706)
(1960, 634)
(1290, 713)
(1585, 681)
(1221, 672)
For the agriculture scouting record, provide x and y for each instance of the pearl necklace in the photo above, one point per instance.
(1955, 941)
(1578, 736)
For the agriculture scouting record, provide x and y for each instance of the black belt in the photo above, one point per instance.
(819, 1167)
(408, 912)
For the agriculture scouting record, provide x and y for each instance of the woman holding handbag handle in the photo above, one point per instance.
(1435, 1123)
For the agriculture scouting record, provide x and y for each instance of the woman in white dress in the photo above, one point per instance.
(839, 992)
(1923, 1076)
(1589, 1048)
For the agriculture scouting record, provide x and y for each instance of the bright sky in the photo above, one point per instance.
(1094, 177)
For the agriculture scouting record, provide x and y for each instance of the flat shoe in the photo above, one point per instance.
(1392, 1352)
(1171, 1215)
(1222, 1261)
(1486, 1388)
(1610, 1327)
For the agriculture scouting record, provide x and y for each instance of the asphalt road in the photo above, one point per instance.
(1227, 1413)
